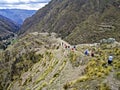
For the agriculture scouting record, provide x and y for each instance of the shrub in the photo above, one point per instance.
(104, 86)
(82, 79)
(118, 75)
(66, 86)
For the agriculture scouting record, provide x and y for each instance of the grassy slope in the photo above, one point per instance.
(97, 27)
(77, 21)
(36, 63)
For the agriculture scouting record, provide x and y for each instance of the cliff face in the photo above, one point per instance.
(77, 21)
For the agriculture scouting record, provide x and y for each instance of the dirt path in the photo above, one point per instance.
(113, 83)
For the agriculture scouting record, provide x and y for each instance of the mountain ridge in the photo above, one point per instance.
(7, 26)
(72, 17)
(40, 61)
(17, 15)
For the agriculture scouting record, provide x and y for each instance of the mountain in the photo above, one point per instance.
(38, 61)
(41, 60)
(7, 26)
(17, 15)
(77, 21)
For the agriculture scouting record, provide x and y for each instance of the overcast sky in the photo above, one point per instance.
(23, 4)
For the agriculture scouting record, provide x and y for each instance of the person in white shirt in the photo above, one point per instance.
(110, 59)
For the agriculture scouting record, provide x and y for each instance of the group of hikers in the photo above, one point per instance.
(110, 57)
(87, 52)
(66, 46)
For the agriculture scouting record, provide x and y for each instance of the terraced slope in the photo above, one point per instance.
(77, 21)
(40, 62)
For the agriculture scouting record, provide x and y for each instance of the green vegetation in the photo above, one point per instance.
(97, 68)
(7, 28)
(73, 59)
(41, 86)
(20, 57)
(78, 21)
(42, 77)
(104, 86)
(32, 65)
(36, 61)
(118, 75)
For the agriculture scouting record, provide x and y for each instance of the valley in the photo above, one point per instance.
(65, 45)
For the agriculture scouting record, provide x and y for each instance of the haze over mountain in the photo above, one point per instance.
(17, 15)
(7, 26)
(77, 21)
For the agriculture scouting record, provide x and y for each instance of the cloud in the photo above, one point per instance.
(23, 4)
(24, 1)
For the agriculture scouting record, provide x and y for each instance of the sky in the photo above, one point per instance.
(23, 4)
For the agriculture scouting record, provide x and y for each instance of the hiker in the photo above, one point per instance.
(65, 46)
(110, 59)
(74, 47)
(92, 53)
(68, 47)
(86, 52)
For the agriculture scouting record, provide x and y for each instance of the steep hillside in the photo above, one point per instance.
(39, 61)
(77, 21)
(7, 26)
(17, 15)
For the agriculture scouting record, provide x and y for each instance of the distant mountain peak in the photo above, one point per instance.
(7, 26)
(17, 15)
